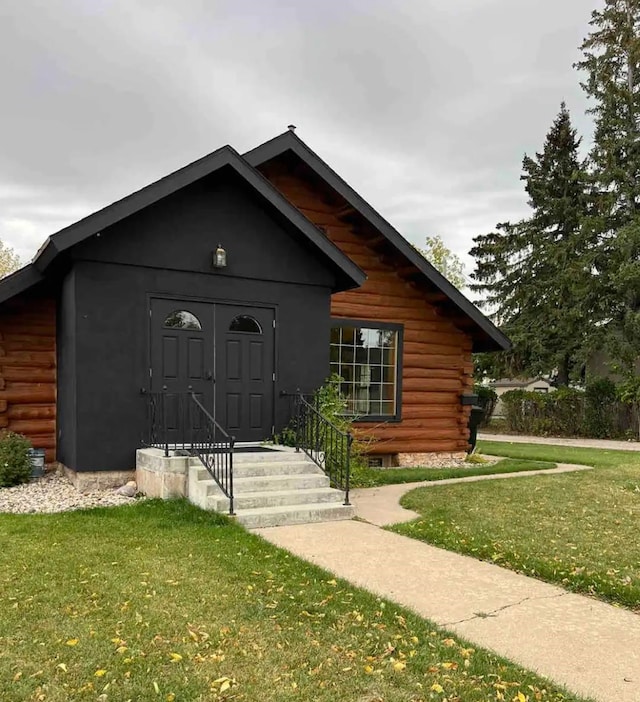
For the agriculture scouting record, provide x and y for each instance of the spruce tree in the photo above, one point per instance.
(533, 274)
(611, 65)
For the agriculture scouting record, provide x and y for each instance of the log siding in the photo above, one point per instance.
(436, 366)
(28, 369)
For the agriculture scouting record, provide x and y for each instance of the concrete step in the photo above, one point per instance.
(280, 455)
(293, 514)
(267, 483)
(259, 470)
(276, 498)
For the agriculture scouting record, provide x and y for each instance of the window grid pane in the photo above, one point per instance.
(365, 358)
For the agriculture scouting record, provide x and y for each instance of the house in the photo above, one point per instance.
(528, 384)
(129, 302)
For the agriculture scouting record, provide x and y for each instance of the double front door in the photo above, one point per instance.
(222, 353)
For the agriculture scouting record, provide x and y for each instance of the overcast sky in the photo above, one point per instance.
(425, 107)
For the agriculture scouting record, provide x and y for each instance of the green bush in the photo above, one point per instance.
(601, 411)
(487, 399)
(599, 415)
(15, 462)
(537, 413)
(332, 405)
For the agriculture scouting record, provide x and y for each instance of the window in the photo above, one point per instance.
(181, 319)
(366, 358)
(245, 323)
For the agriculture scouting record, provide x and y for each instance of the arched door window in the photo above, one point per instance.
(246, 324)
(182, 319)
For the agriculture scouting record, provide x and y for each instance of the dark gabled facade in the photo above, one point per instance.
(126, 302)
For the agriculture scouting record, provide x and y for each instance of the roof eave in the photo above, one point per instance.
(288, 141)
(20, 281)
(349, 275)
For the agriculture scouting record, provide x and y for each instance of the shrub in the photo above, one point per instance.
(628, 392)
(602, 411)
(15, 462)
(599, 414)
(332, 405)
(559, 412)
(487, 399)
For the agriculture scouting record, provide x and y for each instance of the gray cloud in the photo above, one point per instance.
(425, 107)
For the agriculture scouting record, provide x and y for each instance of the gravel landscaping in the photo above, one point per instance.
(54, 493)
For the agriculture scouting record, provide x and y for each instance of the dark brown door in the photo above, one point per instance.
(182, 358)
(245, 371)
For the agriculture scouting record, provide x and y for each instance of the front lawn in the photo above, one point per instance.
(373, 477)
(578, 530)
(164, 602)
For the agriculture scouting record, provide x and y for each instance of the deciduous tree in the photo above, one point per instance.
(444, 260)
(9, 260)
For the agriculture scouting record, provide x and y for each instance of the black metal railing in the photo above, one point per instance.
(180, 422)
(328, 446)
(214, 447)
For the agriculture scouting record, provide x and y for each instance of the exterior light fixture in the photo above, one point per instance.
(219, 257)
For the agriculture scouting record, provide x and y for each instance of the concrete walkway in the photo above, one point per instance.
(590, 647)
(560, 441)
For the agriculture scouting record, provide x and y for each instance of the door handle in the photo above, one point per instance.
(209, 375)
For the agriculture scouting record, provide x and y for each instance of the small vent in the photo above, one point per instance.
(375, 462)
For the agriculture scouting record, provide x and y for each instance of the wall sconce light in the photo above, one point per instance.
(219, 257)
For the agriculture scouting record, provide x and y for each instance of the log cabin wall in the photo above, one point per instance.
(436, 364)
(28, 369)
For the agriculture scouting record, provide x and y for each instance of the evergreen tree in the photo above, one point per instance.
(533, 274)
(611, 63)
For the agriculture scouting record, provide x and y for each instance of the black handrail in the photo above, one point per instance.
(214, 447)
(327, 445)
(180, 422)
(156, 422)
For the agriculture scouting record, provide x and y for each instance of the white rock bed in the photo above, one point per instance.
(439, 461)
(54, 493)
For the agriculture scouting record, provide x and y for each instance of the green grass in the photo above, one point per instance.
(372, 477)
(599, 458)
(161, 601)
(579, 530)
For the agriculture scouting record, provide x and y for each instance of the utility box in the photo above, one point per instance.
(37, 462)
